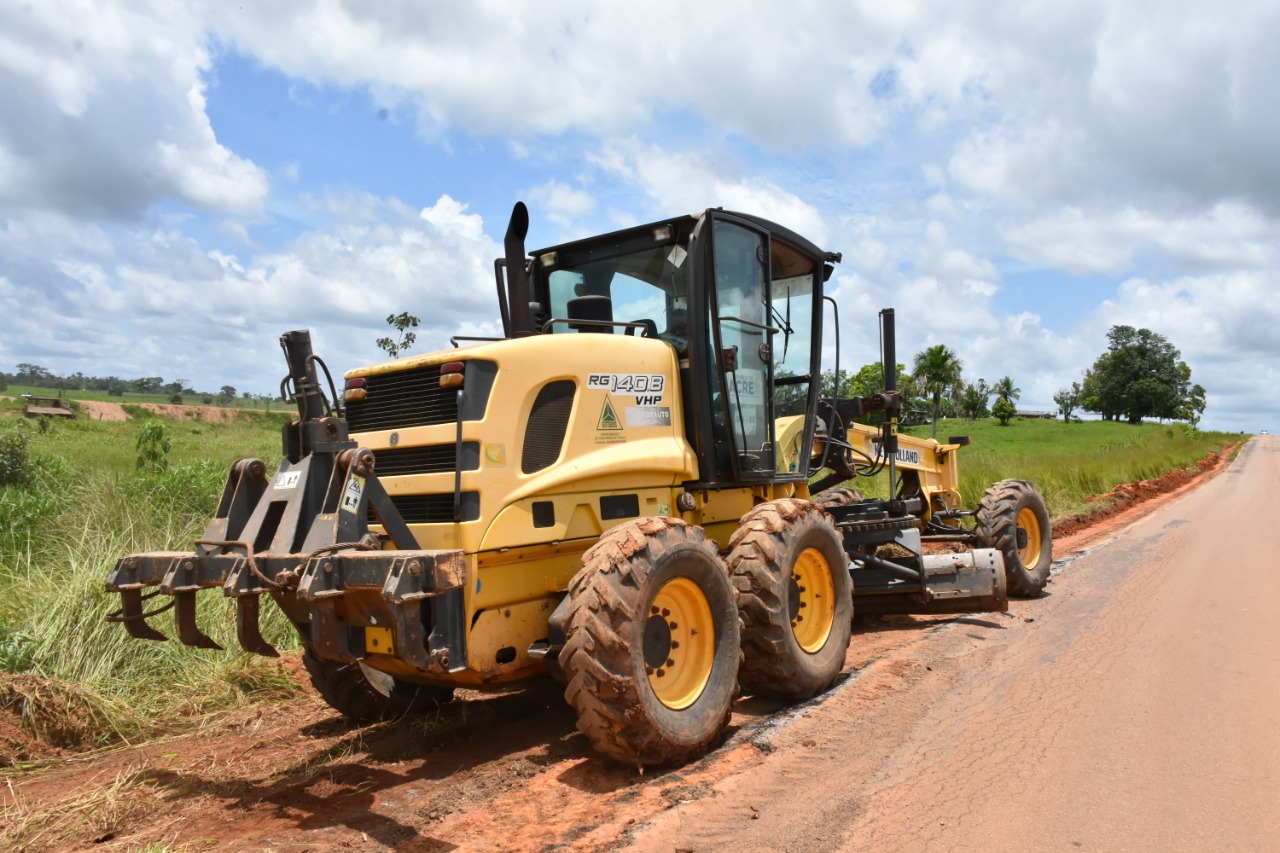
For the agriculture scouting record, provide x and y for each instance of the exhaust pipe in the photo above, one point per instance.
(518, 292)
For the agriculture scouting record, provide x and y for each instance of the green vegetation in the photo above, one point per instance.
(1141, 375)
(402, 323)
(82, 503)
(938, 372)
(1003, 410)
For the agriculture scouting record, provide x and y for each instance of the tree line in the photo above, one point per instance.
(1141, 375)
(178, 391)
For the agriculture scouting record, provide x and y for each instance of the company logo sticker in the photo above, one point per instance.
(608, 417)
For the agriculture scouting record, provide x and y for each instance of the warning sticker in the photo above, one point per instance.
(648, 416)
(609, 417)
(628, 383)
(351, 495)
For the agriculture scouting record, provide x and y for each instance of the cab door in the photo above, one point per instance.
(740, 338)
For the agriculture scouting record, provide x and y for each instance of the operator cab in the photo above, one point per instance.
(738, 298)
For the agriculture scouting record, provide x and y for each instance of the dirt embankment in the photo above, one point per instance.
(98, 410)
(1128, 500)
(502, 772)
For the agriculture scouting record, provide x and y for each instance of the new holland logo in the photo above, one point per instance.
(609, 417)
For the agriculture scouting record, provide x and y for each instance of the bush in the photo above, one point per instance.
(14, 462)
(16, 649)
(1004, 410)
(153, 445)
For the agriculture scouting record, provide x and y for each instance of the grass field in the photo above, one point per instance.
(85, 503)
(1068, 462)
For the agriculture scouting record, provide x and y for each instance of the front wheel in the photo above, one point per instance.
(652, 643)
(362, 694)
(796, 598)
(1013, 519)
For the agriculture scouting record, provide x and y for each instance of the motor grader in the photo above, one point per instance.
(617, 493)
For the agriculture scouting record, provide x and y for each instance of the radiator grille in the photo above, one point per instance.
(548, 423)
(431, 459)
(434, 509)
(406, 399)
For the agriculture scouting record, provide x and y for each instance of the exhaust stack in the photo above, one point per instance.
(517, 277)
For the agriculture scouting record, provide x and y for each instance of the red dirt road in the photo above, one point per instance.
(1136, 706)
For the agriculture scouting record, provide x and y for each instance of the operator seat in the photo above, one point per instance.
(597, 311)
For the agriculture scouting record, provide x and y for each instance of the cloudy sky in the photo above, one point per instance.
(180, 182)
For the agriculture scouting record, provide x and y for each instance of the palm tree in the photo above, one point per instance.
(1005, 389)
(937, 369)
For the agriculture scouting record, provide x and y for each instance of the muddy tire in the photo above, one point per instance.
(1013, 519)
(838, 496)
(652, 643)
(365, 695)
(795, 595)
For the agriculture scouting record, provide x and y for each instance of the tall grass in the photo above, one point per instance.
(92, 507)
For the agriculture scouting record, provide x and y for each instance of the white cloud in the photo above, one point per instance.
(561, 203)
(104, 114)
(155, 301)
(1223, 323)
(688, 182)
(1228, 235)
(450, 217)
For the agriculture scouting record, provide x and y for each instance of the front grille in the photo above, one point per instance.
(406, 399)
(431, 459)
(434, 509)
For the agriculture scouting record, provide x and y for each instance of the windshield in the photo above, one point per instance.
(648, 285)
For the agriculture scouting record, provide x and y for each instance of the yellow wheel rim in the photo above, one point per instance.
(813, 600)
(1030, 525)
(679, 643)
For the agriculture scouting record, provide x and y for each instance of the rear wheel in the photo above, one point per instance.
(365, 695)
(795, 595)
(838, 496)
(1013, 519)
(652, 643)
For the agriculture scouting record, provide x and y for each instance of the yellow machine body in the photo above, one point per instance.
(616, 462)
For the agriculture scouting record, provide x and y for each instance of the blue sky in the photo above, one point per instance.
(180, 182)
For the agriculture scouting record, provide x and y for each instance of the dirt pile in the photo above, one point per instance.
(1127, 496)
(98, 410)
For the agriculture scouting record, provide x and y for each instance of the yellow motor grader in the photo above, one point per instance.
(616, 493)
